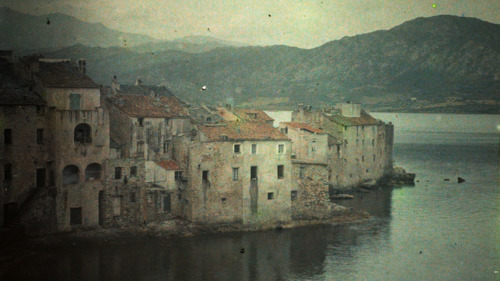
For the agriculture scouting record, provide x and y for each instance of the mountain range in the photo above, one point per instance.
(436, 64)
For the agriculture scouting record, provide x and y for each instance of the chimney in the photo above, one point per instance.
(82, 66)
(115, 86)
(138, 82)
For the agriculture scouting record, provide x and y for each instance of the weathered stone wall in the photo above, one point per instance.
(224, 199)
(60, 97)
(310, 193)
(24, 154)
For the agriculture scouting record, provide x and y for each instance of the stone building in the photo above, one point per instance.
(366, 142)
(60, 138)
(24, 143)
(148, 182)
(239, 172)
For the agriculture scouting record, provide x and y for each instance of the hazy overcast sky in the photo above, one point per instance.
(257, 22)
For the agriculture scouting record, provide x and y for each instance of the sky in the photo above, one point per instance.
(304, 24)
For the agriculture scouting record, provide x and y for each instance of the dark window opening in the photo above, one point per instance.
(40, 177)
(39, 136)
(141, 121)
(205, 175)
(270, 196)
(281, 148)
(223, 199)
(363, 158)
(118, 173)
(93, 172)
(301, 172)
(40, 109)
(209, 119)
(254, 149)
(293, 195)
(235, 174)
(166, 203)
(133, 171)
(7, 168)
(178, 175)
(83, 133)
(10, 213)
(374, 157)
(7, 136)
(75, 216)
(237, 148)
(253, 172)
(373, 142)
(70, 175)
(367, 170)
(281, 171)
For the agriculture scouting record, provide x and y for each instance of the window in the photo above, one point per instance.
(357, 141)
(93, 172)
(82, 133)
(179, 197)
(118, 173)
(70, 175)
(281, 148)
(178, 175)
(367, 170)
(7, 136)
(284, 130)
(374, 157)
(363, 142)
(141, 121)
(40, 109)
(205, 175)
(75, 215)
(362, 158)
(350, 175)
(270, 195)
(301, 172)
(235, 174)
(133, 171)
(223, 199)
(254, 149)
(39, 136)
(7, 168)
(253, 172)
(293, 194)
(166, 203)
(281, 171)
(237, 148)
(40, 177)
(209, 119)
(313, 146)
(373, 142)
(74, 101)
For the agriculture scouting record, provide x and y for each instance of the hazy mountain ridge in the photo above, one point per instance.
(424, 64)
(28, 32)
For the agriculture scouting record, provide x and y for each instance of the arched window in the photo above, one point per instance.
(93, 172)
(70, 175)
(82, 133)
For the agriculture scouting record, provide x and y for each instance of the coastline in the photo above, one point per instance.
(172, 229)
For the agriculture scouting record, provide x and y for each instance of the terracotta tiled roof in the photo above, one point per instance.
(243, 131)
(226, 114)
(364, 119)
(63, 75)
(252, 115)
(148, 106)
(303, 126)
(169, 165)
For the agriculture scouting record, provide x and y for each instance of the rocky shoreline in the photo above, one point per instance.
(172, 229)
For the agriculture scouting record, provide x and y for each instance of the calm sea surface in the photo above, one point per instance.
(435, 230)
